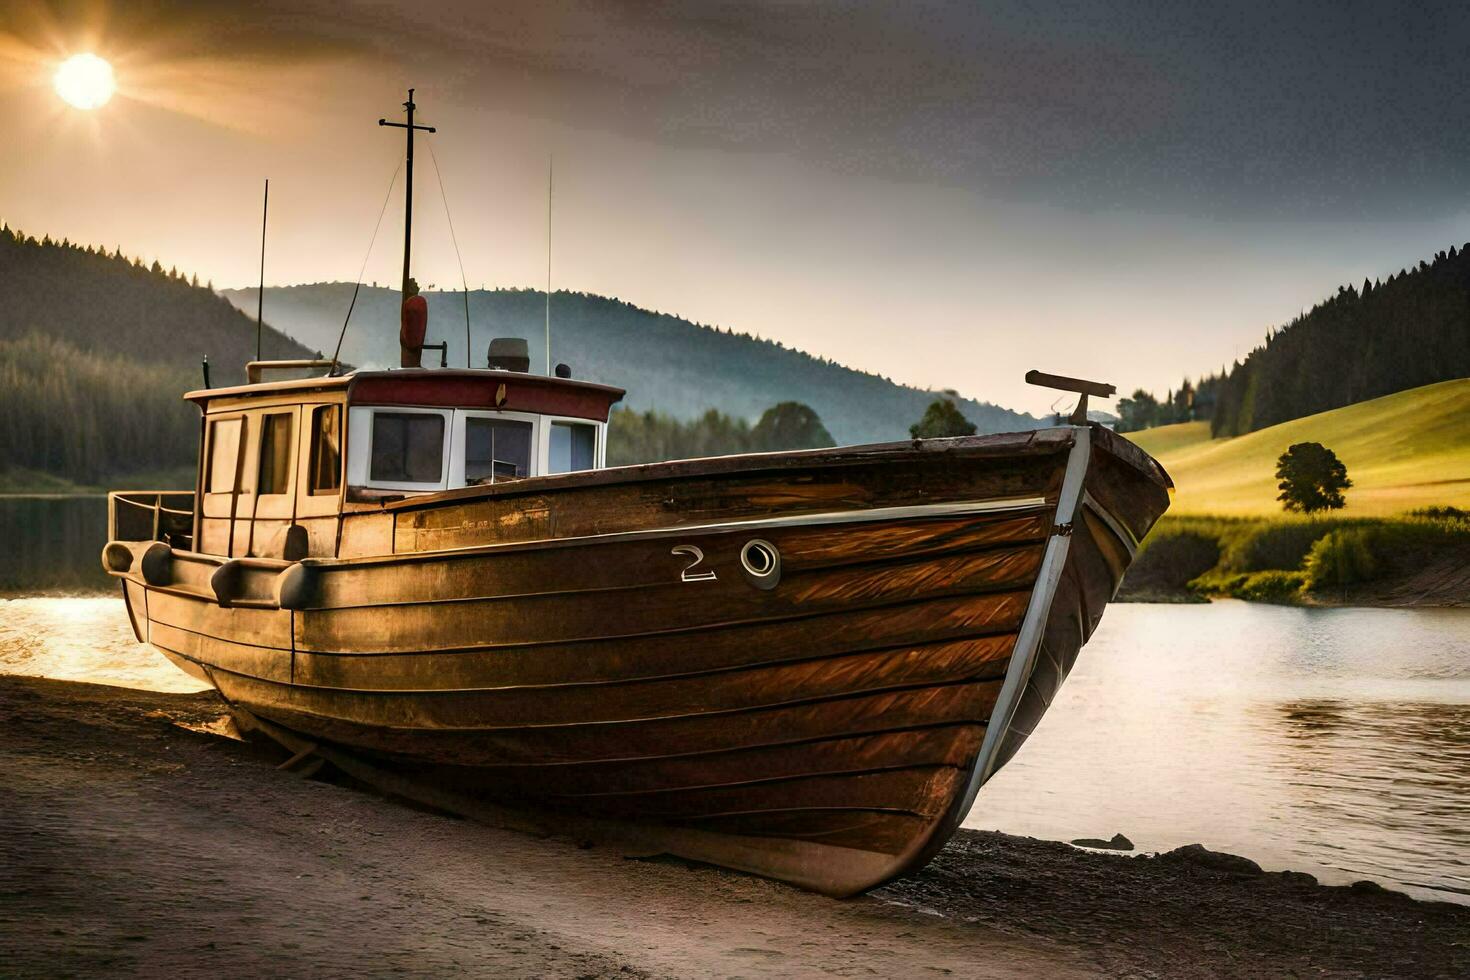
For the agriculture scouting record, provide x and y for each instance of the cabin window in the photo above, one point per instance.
(407, 448)
(275, 454)
(326, 449)
(496, 450)
(573, 447)
(224, 456)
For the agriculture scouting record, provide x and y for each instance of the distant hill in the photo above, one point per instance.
(1402, 451)
(1364, 342)
(95, 350)
(666, 363)
(107, 304)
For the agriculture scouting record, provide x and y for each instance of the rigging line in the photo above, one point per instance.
(462, 281)
(363, 271)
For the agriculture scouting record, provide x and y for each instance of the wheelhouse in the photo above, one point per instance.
(282, 462)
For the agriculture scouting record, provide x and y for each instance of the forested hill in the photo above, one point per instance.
(666, 363)
(1365, 342)
(107, 304)
(95, 351)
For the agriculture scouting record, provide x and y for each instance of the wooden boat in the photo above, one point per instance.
(803, 664)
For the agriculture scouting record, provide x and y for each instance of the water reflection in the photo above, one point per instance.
(52, 544)
(82, 638)
(1334, 741)
(1408, 786)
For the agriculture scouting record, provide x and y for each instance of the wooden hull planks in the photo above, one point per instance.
(947, 745)
(656, 739)
(602, 651)
(700, 492)
(709, 694)
(561, 617)
(622, 660)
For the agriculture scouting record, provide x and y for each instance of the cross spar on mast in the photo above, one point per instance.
(408, 129)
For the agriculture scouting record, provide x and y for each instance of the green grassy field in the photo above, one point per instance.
(1403, 451)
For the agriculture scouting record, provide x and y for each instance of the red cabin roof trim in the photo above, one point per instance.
(447, 388)
(507, 390)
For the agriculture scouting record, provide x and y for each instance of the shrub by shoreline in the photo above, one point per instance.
(1418, 559)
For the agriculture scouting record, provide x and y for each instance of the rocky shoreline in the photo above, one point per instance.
(136, 839)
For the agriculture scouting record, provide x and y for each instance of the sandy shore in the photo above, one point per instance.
(133, 841)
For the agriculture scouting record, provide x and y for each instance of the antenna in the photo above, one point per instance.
(260, 296)
(550, 163)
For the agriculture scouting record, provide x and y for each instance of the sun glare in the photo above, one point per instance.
(85, 81)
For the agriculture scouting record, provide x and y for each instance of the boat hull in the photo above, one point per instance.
(623, 664)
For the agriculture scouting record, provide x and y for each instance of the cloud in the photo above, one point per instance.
(1322, 110)
(1319, 110)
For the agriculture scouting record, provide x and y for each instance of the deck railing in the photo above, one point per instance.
(151, 515)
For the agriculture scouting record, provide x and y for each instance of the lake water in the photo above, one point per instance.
(52, 543)
(1333, 741)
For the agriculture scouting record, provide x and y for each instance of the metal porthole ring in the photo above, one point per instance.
(761, 562)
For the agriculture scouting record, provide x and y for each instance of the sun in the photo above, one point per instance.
(85, 81)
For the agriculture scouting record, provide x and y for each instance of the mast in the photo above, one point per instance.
(408, 128)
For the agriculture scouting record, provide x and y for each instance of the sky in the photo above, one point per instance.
(948, 194)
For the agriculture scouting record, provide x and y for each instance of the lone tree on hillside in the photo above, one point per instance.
(1312, 478)
(942, 420)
